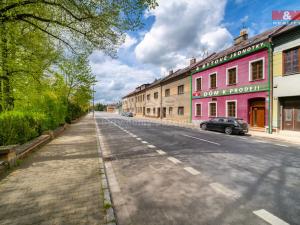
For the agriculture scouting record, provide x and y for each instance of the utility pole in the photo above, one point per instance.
(93, 100)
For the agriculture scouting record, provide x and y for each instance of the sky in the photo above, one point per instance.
(175, 32)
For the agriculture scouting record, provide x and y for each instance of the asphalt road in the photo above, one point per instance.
(164, 174)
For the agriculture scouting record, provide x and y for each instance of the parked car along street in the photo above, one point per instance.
(227, 125)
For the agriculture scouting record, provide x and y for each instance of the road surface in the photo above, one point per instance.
(161, 174)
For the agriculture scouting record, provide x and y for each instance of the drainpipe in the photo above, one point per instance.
(270, 85)
(191, 95)
(161, 109)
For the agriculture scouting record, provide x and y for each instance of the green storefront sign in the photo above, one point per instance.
(232, 56)
(232, 91)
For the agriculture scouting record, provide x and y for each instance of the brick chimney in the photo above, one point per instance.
(192, 61)
(170, 72)
(243, 36)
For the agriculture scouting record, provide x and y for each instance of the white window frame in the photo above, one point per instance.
(196, 109)
(216, 109)
(216, 80)
(250, 68)
(227, 75)
(226, 107)
(196, 83)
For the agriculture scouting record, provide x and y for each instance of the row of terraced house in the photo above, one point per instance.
(256, 79)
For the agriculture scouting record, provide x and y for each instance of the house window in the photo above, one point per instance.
(212, 109)
(198, 110)
(213, 80)
(231, 108)
(256, 69)
(143, 97)
(199, 84)
(167, 92)
(232, 76)
(148, 110)
(148, 97)
(291, 62)
(170, 111)
(181, 111)
(154, 111)
(181, 89)
(156, 95)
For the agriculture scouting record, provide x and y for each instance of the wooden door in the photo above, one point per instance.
(257, 113)
(297, 119)
(259, 117)
(288, 118)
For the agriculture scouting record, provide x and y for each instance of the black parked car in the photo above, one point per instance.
(226, 124)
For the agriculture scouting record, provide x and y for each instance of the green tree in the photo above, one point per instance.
(81, 25)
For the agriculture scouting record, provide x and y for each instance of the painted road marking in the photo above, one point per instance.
(139, 139)
(224, 190)
(161, 152)
(144, 142)
(215, 143)
(192, 170)
(261, 141)
(282, 145)
(151, 146)
(174, 160)
(243, 138)
(133, 135)
(269, 217)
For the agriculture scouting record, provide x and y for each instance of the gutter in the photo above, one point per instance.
(191, 96)
(270, 86)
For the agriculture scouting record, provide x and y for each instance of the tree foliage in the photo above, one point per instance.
(44, 46)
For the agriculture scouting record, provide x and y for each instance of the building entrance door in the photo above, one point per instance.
(257, 113)
(158, 112)
(164, 112)
(291, 114)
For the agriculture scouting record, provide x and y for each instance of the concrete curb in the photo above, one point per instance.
(110, 216)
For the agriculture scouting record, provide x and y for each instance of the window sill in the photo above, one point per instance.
(257, 80)
(213, 88)
(232, 84)
(290, 74)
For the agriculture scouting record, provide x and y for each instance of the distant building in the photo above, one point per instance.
(112, 108)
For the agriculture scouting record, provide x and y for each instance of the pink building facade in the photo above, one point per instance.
(235, 85)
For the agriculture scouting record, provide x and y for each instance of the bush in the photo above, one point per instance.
(19, 127)
(74, 112)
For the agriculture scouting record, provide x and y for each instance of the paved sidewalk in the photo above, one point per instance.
(59, 184)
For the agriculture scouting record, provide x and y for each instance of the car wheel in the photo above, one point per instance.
(228, 130)
(203, 126)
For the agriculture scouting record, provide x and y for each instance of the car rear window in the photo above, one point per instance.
(240, 121)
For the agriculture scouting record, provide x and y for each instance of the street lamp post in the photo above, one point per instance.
(93, 101)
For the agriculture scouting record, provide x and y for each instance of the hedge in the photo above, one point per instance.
(19, 127)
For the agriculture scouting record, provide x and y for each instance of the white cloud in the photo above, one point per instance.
(183, 29)
(116, 79)
(129, 41)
